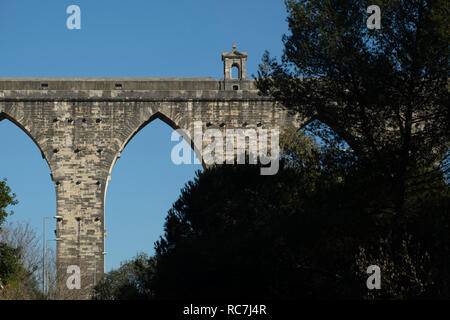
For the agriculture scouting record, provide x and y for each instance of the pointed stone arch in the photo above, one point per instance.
(171, 123)
(5, 116)
(347, 136)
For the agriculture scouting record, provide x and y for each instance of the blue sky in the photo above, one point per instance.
(135, 38)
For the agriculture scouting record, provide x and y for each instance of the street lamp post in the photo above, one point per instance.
(43, 251)
(46, 276)
(95, 267)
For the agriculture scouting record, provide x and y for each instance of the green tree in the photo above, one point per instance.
(384, 91)
(6, 199)
(308, 232)
(236, 234)
(9, 257)
(16, 267)
(9, 263)
(132, 281)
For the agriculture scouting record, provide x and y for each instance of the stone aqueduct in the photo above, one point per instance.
(81, 125)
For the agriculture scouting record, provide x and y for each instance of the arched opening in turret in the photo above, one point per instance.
(235, 72)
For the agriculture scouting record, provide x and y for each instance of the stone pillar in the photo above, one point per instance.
(80, 203)
(80, 160)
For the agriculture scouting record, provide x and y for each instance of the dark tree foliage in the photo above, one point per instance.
(308, 232)
(6, 199)
(384, 91)
(236, 234)
(17, 282)
(9, 257)
(222, 238)
(132, 281)
(9, 263)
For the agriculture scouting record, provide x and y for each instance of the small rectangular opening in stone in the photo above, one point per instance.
(118, 86)
(44, 85)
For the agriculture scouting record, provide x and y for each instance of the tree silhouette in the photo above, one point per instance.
(385, 91)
